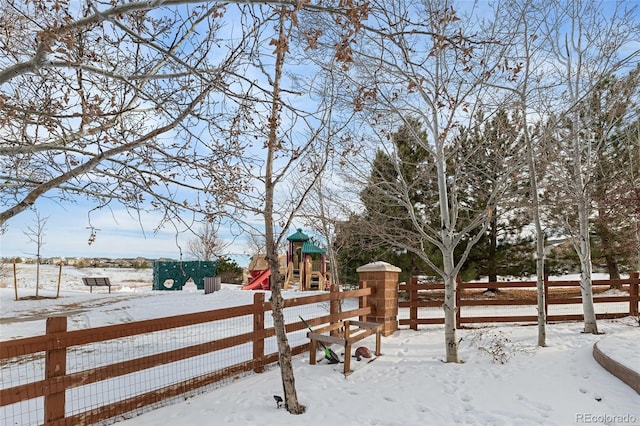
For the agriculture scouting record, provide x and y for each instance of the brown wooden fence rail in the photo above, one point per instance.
(521, 293)
(54, 344)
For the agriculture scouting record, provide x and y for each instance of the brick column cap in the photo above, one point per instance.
(378, 266)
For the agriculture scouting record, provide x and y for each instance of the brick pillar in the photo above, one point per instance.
(382, 277)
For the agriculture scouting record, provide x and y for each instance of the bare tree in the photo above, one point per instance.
(321, 213)
(523, 17)
(36, 235)
(588, 42)
(431, 72)
(112, 104)
(288, 380)
(524, 99)
(292, 152)
(206, 245)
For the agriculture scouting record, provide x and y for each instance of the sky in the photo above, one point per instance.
(118, 235)
(505, 378)
(67, 231)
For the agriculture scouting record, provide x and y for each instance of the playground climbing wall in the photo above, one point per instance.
(172, 275)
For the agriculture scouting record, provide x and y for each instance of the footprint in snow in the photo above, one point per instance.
(450, 389)
(542, 409)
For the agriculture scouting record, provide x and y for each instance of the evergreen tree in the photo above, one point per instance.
(228, 270)
(503, 250)
(610, 128)
(617, 171)
(486, 152)
(407, 168)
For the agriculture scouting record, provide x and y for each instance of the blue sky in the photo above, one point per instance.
(66, 234)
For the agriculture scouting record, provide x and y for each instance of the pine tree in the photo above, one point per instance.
(487, 153)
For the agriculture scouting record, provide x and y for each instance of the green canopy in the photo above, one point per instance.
(299, 236)
(310, 248)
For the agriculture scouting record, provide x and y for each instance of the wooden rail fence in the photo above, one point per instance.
(58, 347)
(55, 343)
(431, 295)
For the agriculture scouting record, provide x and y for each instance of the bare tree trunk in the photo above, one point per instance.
(540, 290)
(450, 308)
(492, 264)
(584, 253)
(637, 253)
(37, 275)
(493, 246)
(581, 68)
(284, 350)
(326, 230)
(450, 284)
(533, 184)
(582, 241)
(583, 245)
(535, 201)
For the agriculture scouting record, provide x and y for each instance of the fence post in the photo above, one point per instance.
(634, 281)
(334, 306)
(546, 297)
(55, 366)
(363, 301)
(458, 298)
(413, 303)
(258, 332)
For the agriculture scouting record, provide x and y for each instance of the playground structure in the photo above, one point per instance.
(304, 267)
(259, 274)
(173, 275)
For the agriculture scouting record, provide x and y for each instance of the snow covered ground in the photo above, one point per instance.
(505, 378)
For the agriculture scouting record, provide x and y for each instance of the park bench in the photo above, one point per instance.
(345, 335)
(96, 282)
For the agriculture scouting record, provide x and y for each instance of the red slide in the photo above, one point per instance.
(261, 282)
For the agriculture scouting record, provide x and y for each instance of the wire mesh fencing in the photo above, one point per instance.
(99, 375)
(515, 302)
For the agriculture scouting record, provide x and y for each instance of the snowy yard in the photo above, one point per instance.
(504, 380)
